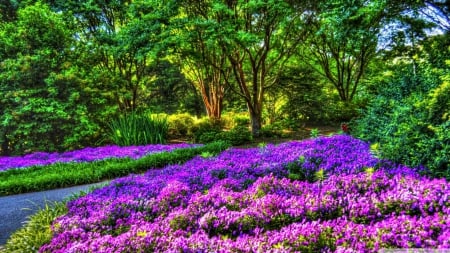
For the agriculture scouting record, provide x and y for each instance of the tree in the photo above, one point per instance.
(343, 42)
(36, 98)
(258, 37)
(202, 58)
(170, 91)
(124, 37)
(408, 113)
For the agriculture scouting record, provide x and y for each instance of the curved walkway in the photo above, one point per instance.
(15, 209)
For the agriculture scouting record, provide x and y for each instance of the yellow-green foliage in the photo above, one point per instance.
(241, 119)
(227, 120)
(181, 125)
(438, 104)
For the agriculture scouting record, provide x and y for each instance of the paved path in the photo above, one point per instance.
(15, 209)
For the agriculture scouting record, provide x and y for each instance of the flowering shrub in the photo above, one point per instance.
(243, 201)
(84, 155)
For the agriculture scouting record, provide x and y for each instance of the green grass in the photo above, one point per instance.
(36, 231)
(39, 178)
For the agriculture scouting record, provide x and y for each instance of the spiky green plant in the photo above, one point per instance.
(138, 129)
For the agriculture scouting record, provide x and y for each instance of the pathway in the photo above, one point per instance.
(15, 209)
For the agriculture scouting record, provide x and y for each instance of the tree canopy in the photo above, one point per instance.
(75, 64)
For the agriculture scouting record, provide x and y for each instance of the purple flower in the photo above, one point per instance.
(243, 201)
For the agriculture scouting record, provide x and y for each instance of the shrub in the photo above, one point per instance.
(227, 120)
(270, 131)
(181, 125)
(236, 136)
(138, 129)
(208, 127)
(208, 137)
(241, 120)
(410, 126)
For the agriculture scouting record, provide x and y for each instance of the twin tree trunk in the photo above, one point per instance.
(212, 96)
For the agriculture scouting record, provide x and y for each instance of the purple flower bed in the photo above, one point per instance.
(85, 155)
(242, 201)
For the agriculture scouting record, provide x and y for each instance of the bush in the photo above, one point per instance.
(272, 130)
(241, 120)
(410, 127)
(208, 127)
(236, 136)
(138, 129)
(208, 137)
(181, 125)
(227, 120)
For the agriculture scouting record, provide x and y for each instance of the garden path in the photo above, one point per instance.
(15, 209)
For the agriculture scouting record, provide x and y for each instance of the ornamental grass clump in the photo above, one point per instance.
(139, 129)
(244, 201)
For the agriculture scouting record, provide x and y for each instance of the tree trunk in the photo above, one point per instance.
(212, 96)
(5, 145)
(256, 122)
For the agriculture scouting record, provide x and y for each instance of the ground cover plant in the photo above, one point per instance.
(88, 154)
(36, 178)
(327, 194)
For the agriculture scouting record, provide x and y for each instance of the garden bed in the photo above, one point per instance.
(247, 200)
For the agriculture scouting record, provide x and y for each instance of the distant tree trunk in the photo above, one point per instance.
(5, 145)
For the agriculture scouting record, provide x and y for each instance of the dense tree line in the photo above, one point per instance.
(67, 67)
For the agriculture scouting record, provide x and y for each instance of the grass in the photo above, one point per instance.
(38, 178)
(37, 230)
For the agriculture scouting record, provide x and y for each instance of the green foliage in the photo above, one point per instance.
(409, 119)
(228, 120)
(43, 105)
(181, 125)
(68, 67)
(37, 230)
(208, 137)
(242, 120)
(60, 175)
(236, 136)
(344, 40)
(170, 91)
(314, 133)
(273, 130)
(309, 100)
(296, 170)
(208, 128)
(138, 129)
